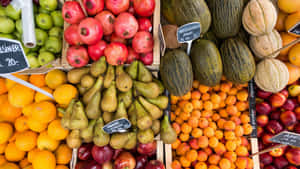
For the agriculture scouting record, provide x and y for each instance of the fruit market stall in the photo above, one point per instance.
(133, 84)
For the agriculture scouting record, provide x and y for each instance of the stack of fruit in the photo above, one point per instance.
(49, 24)
(212, 123)
(109, 93)
(94, 157)
(32, 136)
(115, 32)
(276, 113)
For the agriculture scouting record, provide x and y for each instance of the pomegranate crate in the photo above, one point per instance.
(156, 48)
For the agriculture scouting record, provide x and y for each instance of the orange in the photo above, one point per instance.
(45, 142)
(28, 167)
(44, 112)
(245, 118)
(208, 105)
(201, 165)
(182, 149)
(219, 134)
(184, 162)
(225, 163)
(187, 96)
(209, 132)
(188, 107)
(289, 6)
(203, 88)
(27, 110)
(6, 132)
(286, 39)
(21, 124)
(2, 148)
(61, 167)
(193, 122)
(12, 153)
(294, 55)
(233, 91)
(280, 21)
(239, 131)
(41, 97)
(2, 160)
(231, 156)
(63, 154)
(10, 83)
(230, 145)
(242, 95)
(56, 131)
(203, 141)
(292, 20)
(26, 140)
(176, 164)
(196, 132)
(8, 112)
(196, 95)
(9, 166)
(203, 123)
(213, 167)
(174, 99)
(63, 94)
(247, 129)
(213, 142)
(44, 160)
(242, 151)
(220, 149)
(184, 137)
(55, 78)
(20, 96)
(230, 100)
(176, 144)
(185, 128)
(37, 80)
(3, 88)
(241, 162)
(229, 135)
(35, 125)
(229, 125)
(31, 154)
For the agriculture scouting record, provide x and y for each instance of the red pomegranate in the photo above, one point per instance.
(90, 31)
(71, 35)
(107, 20)
(144, 7)
(72, 12)
(77, 56)
(142, 42)
(93, 6)
(117, 6)
(126, 26)
(97, 50)
(116, 53)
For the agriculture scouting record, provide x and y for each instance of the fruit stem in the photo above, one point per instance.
(84, 31)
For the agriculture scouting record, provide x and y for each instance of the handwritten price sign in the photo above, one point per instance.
(12, 56)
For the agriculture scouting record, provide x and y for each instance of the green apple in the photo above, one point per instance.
(35, 9)
(56, 32)
(19, 26)
(2, 11)
(35, 49)
(11, 12)
(42, 10)
(26, 50)
(41, 36)
(57, 18)
(49, 5)
(43, 49)
(53, 44)
(8, 36)
(33, 60)
(18, 35)
(45, 57)
(44, 21)
(7, 25)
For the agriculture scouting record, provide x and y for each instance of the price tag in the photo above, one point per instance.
(188, 32)
(252, 112)
(287, 138)
(117, 126)
(295, 29)
(12, 56)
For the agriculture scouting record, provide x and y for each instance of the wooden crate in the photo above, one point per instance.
(156, 49)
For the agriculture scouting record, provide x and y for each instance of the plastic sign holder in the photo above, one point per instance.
(117, 126)
(188, 33)
(12, 60)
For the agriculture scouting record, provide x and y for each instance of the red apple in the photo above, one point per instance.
(285, 92)
(266, 158)
(263, 108)
(277, 100)
(155, 164)
(293, 156)
(281, 162)
(274, 127)
(275, 115)
(266, 138)
(262, 120)
(261, 145)
(277, 152)
(147, 149)
(269, 167)
(290, 104)
(288, 118)
(262, 94)
(297, 128)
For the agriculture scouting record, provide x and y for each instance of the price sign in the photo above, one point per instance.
(12, 56)
(188, 32)
(287, 138)
(117, 126)
(252, 112)
(295, 29)
(162, 41)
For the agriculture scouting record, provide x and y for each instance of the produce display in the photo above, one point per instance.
(49, 27)
(212, 124)
(278, 112)
(121, 31)
(115, 106)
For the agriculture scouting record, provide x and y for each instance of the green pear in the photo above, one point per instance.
(126, 97)
(109, 76)
(153, 110)
(93, 107)
(149, 90)
(121, 111)
(144, 74)
(167, 133)
(123, 80)
(161, 86)
(160, 101)
(65, 120)
(132, 141)
(87, 81)
(144, 120)
(101, 138)
(78, 118)
(98, 67)
(156, 127)
(73, 140)
(74, 76)
(145, 136)
(109, 102)
(87, 134)
(118, 140)
(132, 70)
(87, 97)
(8, 36)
